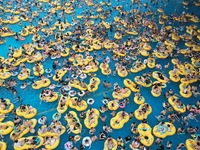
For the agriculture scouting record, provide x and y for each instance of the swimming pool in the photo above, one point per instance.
(31, 96)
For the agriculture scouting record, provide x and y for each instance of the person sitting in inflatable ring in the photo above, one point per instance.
(110, 144)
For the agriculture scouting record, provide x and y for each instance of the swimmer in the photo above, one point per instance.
(92, 130)
(94, 138)
(167, 65)
(18, 99)
(127, 139)
(158, 141)
(180, 146)
(160, 118)
(103, 118)
(107, 84)
(114, 73)
(180, 131)
(169, 144)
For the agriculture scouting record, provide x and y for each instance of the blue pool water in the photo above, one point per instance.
(31, 96)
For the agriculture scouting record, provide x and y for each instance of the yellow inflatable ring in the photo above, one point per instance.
(114, 144)
(9, 109)
(113, 105)
(6, 127)
(131, 85)
(39, 143)
(140, 116)
(73, 125)
(180, 108)
(89, 123)
(78, 105)
(119, 120)
(167, 129)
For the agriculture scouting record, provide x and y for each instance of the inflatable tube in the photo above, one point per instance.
(73, 122)
(52, 86)
(145, 130)
(53, 145)
(52, 133)
(90, 101)
(5, 75)
(122, 93)
(113, 105)
(40, 121)
(3, 145)
(27, 113)
(167, 129)
(74, 76)
(68, 145)
(58, 85)
(190, 144)
(24, 74)
(82, 93)
(56, 116)
(7, 109)
(83, 76)
(128, 83)
(105, 101)
(50, 98)
(94, 84)
(139, 100)
(45, 82)
(63, 109)
(89, 123)
(72, 93)
(87, 141)
(14, 73)
(118, 121)
(82, 86)
(122, 105)
(78, 105)
(181, 108)
(156, 76)
(142, 116)
(67, 87)
(6, 127)
(23, 129)
(50, 75)
(39, 143)
(113, 146)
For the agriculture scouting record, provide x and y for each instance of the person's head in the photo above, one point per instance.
(16, 141)
(33, 138)
(161, 146)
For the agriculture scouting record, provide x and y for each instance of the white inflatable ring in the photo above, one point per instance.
(81, 94)
(83, 76)
(48, 70)
(72, 93)
(67, 87)
(52, 86)
(86, 143)
(105, 101)
(90, 101)
(14, 73)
